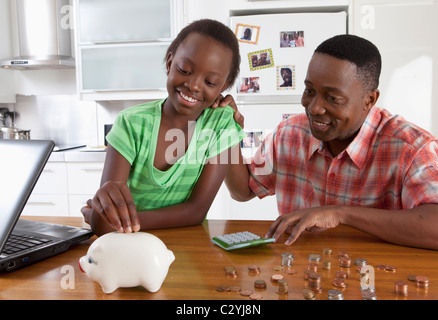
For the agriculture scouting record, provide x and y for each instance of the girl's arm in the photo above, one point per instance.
(113, 207)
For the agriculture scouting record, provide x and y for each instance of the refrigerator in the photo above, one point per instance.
(275, 51)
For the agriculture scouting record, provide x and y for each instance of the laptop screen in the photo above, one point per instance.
(21, 163)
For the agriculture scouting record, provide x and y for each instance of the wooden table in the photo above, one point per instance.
(199, 265)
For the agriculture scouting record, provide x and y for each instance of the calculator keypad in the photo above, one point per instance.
(238, 237)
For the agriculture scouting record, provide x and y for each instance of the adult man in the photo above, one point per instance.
(345, 161)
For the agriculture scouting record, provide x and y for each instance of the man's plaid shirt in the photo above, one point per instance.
(391, 164)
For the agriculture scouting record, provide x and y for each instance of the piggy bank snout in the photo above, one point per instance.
(80, 267)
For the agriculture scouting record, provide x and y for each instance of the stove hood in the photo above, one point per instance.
(44, 35)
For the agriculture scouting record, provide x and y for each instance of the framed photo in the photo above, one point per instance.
(286, 77)
(253, 139)
(260, 59)
(291, 39)
(247, 33)
(249, 85)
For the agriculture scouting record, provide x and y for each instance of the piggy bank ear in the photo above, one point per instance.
(96, 247)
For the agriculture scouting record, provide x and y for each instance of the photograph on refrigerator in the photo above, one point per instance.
(248, 85)
(260, 59)
(247, 33)
(291, 39)
(286, 77)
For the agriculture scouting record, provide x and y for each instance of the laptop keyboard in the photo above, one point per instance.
(18, 243)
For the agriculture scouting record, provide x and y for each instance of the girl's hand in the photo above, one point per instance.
(229, 101)
(114, 203)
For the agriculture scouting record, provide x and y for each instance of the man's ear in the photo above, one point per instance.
(169, 60)
(371, 99)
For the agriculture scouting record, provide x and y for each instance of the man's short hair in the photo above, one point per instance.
(358, 51)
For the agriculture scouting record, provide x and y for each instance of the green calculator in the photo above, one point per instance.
(240, 240)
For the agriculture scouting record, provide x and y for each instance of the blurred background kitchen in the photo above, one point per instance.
(69, 66)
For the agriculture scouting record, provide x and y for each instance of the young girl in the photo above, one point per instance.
(166, 159)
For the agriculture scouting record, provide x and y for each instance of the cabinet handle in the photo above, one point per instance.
(91, 170)
(41, 203)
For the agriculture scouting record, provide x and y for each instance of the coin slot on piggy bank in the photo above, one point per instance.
(124, 260)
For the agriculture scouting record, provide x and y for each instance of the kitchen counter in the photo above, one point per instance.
(85, 154)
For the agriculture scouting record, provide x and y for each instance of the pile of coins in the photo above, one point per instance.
(230, 272)
(335, 294)
(283, 286)
(253, 270)
(315, 282)
(308, 294)
(401, 287)
(314, 277)
(287, 259)
(422, 282)
(260, 284)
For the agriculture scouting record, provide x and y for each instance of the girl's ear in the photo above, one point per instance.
(169, 60)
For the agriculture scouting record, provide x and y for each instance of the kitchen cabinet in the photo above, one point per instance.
(83, 182)
(68, 180)
(121, 46)
(50, 195)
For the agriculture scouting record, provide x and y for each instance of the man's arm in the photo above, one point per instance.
(411, 227)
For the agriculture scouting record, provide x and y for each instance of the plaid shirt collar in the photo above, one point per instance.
(358, 148)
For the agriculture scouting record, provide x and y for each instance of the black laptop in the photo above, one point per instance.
(23, 242)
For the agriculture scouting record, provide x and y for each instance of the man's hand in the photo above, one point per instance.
(314, 219)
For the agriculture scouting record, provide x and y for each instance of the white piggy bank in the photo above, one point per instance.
(122, 260)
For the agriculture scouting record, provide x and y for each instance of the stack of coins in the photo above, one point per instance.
(276, 277)
(253, 270)
(335, 294)
(260, 284)
(287, 259)
(360, 262)
(315, 282)
(401, 288)
(342, 254)
(368, 295)
(314, 258)
(345, 262)
(326, 264)
(339, 283)
(308, 294)
(341, 279)
(422, 282)
(312, 266)
(230, 272)
(282, 286)
(390, 268)
(307, 273)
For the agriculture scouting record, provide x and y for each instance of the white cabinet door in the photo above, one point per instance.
(53, 179)
(84, 177)
(46, 205)
(123, 67)
(101, 21)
